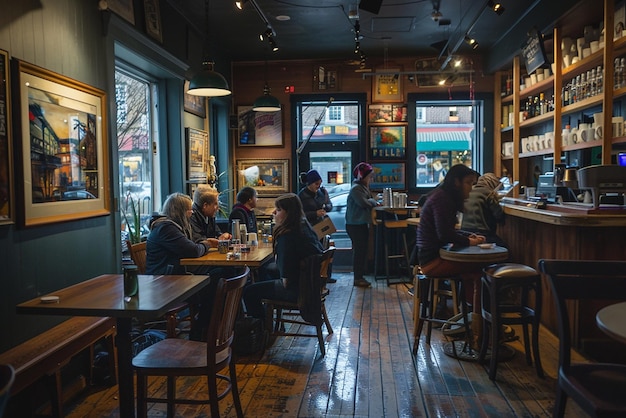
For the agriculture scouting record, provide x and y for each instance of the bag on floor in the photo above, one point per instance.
(250, 336)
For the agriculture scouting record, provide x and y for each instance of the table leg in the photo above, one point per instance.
(125, 367)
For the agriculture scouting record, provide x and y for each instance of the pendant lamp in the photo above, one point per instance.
(207, 82)
(266, 102)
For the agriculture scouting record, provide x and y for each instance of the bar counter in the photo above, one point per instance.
(568, 231)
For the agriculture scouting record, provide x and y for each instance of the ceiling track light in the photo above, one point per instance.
(471, 42)
(496, 7)
(273, 44)
(268, 34)
(240, 3)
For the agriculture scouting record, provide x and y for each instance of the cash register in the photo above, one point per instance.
(604, 181)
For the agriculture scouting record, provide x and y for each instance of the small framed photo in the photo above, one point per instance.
(268, 177)
(197, 154)
(259, 129)
(194, 104)
(153, 19)
(378, 113)
(387, 86)
(392, 175)
(325, 78)
(398, 113)
(387, 142)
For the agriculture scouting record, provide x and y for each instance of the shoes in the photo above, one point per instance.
(331, 280)
(362, 283)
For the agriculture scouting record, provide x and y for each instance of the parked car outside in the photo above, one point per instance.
(338, 212)
(336, 189)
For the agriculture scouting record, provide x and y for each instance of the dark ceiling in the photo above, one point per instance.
(322, 29)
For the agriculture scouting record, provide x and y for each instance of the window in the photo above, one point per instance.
(334, 114)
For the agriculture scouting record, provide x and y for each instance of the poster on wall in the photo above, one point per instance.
(387, 141)
(390, 175)
(259, 129)
(197, 150)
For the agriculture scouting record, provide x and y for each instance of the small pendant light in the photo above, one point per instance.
(208, 82)
(266, 102)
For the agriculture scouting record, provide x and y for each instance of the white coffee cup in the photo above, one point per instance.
(587, 134)
(594, 46)
(598, 134)
(573, 136)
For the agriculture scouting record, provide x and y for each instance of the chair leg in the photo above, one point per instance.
(234, 389)
(213, 399)
(171, 396)
(320, 339)
(326, 320)
(536, 324)
(560, 402)
(142, 385)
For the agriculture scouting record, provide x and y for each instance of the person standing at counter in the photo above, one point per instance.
(358, 219)
(314, 198)
(294, 240)
(482, 212)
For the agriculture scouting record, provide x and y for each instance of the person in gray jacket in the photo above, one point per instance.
(358, 219)
(482, 212)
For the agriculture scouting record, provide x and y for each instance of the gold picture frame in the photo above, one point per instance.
(64, 149)
(387, 86)
(268, 177)
(197, 142)
(7, 199)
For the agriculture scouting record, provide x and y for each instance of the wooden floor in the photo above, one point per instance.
(368, 371)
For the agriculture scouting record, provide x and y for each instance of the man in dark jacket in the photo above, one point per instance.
(205, 206)
(244, 209)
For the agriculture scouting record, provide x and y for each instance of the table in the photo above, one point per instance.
(254, 259)
(477, 255)
(103, 296)
(611, 320)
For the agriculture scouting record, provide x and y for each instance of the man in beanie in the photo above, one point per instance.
(482, 211)
(358, 219)
(314, 198)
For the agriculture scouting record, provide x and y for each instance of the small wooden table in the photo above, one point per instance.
(612, 320)
(254, 259)
(476, 255)
(103, 296)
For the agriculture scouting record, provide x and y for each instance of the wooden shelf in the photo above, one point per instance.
(582, 104)
(582, 145)
(537, 119)
(536, 153)
(543, 85)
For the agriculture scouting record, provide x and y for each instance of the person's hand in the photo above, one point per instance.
(475, 239)
(225, 236)
(212, 242)
(320, 213)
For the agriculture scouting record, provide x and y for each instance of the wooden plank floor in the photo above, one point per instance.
(368, 371)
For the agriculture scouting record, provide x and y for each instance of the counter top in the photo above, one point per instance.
(567, 214)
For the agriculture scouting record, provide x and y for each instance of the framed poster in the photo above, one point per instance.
(259, 129)
(324, 78)
(268, 177)
(123, 8)
(387, 86)
(398, 113)
(7, 200)
(64, 147)
(388, 141)
(391, 175)
(194, 104)
(377, 113)
(153, 19)
(197, 142)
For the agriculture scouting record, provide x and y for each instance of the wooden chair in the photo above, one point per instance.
(7, 377)
(173, 357)
(310, 309)
(598, 388)
(172, 317)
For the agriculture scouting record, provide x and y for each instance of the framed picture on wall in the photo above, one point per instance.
(7, 200)
(398, 113)
(268, 177)
(64, 147)
(391, 175)
(387, 85)
(259, 129)
(123, 8)
(194, 104)
(197, 142)
(379, 113)
(388, 141)
(153, 19)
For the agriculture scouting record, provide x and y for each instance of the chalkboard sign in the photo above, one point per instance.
(533, 51)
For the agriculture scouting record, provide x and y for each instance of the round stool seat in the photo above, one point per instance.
(512, 270)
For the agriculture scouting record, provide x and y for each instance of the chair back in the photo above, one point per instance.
(579, 280)
(309, 296)
(7, 377)
(327, 258)
(138, 255)
(225, 310)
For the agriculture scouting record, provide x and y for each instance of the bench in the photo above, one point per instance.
(45, 354)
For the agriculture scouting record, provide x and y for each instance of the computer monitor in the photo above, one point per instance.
(621, 158)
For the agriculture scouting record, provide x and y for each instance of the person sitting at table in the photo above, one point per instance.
(358, 219)
(314, 197)
(203, 225)
(437, 228)
(294, 240)
(169, 240)
(244, 209)
(482, 212)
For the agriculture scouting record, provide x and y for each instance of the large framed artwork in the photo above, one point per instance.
(388, 141)
(194, 104)
(268, 177)
(259, 129)
(197, 154)
(387, 85)
(7, 201)
(64, 152)
(392, 175)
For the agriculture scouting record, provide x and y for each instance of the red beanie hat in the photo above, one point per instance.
(361, 170)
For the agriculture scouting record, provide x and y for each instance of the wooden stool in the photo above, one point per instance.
(394, 234)
(497, 311)
(426, 296)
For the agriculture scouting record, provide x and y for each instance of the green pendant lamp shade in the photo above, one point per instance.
(267, 102)
(208, 83)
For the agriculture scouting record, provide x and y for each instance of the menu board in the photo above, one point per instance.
(533, 51)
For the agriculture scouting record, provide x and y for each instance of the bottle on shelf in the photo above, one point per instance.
(599, 80)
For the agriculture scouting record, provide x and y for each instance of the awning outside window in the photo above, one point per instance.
(443, 139)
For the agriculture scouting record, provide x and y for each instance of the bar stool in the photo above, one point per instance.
(426, 296)
(394, 234)
(497, 280)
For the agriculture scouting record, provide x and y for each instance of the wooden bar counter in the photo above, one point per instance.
(568, 231)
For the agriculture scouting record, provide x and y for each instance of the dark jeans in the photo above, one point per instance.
(359, 235)
(269, 289)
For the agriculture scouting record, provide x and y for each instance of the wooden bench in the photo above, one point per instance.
(45, 354)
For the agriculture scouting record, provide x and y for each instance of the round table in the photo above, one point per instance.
(611, 320)
(473, 254)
